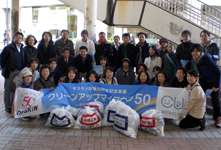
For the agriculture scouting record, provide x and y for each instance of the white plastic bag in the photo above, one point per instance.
(97, 105)
(126, 120)
(59, 117)
(88, 118)
(73, 111)
(109, 113)
(152, 122)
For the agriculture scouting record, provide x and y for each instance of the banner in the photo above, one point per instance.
(139, 97)
(170, 101)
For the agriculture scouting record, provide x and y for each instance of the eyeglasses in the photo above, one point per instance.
(18, 37)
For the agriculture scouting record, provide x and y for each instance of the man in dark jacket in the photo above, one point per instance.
(209, 77)
(127, 50)
(64, 42)
(65, 61)
(142, 48)
(209, 46)
(102, 48)
(183, 54)
(83, 62)
(125, 74)
(12, 61)
(115, 60)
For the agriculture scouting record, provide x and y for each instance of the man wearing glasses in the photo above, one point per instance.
(12, 61)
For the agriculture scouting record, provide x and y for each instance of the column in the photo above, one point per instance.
(14, 16)
(91, 18)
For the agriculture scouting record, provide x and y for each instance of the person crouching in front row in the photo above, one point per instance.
(194, 110)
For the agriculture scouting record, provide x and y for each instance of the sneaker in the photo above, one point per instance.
(218, 122)
(202, 125)
(24, 118)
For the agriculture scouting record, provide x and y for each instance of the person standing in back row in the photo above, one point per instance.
(142, 48)
(12, 61)
(183, 53)
(64, 42)
(102, 48)
(127, 50)
(209, 46)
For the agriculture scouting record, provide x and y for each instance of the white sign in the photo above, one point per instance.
(170, 101)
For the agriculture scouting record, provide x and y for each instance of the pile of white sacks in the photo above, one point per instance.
(117, 114)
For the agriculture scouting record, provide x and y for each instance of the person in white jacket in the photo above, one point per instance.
(194, 110)
(152, 61)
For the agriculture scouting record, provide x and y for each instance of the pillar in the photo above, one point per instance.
(14, 16)
(91, 18)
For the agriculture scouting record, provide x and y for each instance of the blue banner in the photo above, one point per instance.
(138, 97)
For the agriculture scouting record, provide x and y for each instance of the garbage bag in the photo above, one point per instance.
(152, 122)
(59, 117)
(88, 118)
(126, 120)
(73, 111)
(109, 113)
(97, 105)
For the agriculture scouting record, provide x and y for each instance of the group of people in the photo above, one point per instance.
(192, 66)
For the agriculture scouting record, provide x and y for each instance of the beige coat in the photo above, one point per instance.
(196, 104)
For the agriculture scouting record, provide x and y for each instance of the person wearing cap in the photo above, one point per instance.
(127, 50)
(152, 61)
(102, 48)
(64, 42)
(85, 42)
(183, 53)
(163, 49)
(27, 80)
(142, 48)
(168, 63)
(26, 83)
(12, 61)
(125, 75)
(65, 61)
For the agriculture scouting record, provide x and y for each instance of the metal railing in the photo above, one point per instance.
(194, 11)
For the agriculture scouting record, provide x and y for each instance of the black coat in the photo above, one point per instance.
(145, 51)
(102, 49)
(128, 51)
(183, 52)
(30, 52)
(83, 67)
(63, 66)
(175, 83)
(115, 60)
(7, 58)
(46, 53)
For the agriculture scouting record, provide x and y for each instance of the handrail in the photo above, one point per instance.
(194, 11)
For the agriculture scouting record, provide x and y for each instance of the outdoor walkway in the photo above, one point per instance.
(33, 135)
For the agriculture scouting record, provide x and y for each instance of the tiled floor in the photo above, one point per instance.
(32, 134)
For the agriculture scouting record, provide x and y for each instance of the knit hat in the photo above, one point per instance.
(163, 39)
(84, 31)
(26, 73)
(126, 59)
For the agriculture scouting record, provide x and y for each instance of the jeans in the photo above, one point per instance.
(215, 97)
(7, 86)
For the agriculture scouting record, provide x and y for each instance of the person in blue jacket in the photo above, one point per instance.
(209, 77)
